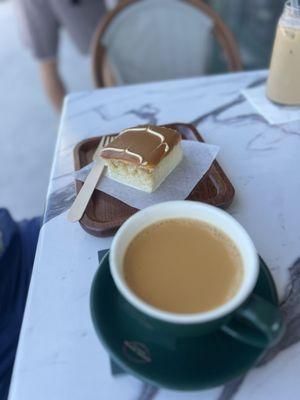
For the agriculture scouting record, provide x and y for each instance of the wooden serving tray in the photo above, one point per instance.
(105, 214)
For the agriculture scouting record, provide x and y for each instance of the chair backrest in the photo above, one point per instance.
(150, 40)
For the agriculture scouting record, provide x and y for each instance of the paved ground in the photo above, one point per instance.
(28, 124)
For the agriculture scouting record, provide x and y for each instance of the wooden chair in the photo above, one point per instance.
(150, 40)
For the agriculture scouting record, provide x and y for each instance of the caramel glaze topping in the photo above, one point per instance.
(142, 145)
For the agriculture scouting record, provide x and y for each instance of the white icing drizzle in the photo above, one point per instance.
(112, 148)
(140, 129)
(161, 136)
(133, 129)
(127, 152)
(151, 131)
(135, 155)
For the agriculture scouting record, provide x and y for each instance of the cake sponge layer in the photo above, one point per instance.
(144, 178)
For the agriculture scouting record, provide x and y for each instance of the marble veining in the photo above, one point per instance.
(147, 392)
(59, 356)
(291, 310)
(59, 201)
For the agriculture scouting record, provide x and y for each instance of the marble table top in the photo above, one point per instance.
(59, 356)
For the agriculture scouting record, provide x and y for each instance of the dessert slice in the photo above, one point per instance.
(143, 156)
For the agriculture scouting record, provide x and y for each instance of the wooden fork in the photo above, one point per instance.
(80, 203)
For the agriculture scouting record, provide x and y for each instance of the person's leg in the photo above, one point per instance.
(18, 244)
(52, 82)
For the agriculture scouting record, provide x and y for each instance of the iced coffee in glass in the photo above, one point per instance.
(284, 78)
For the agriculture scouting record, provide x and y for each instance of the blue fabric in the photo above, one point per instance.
(17, 249)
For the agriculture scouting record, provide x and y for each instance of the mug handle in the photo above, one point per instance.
(257, 322)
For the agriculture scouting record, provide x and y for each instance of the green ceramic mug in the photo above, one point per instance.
(246, 316)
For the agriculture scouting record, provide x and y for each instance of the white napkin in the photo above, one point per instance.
(273, 113)
(197, 159)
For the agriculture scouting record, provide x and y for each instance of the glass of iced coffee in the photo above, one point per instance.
(284, 78)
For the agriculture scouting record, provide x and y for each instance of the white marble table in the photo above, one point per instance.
(59, 356)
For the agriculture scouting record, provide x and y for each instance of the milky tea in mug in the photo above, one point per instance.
(183, 265)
